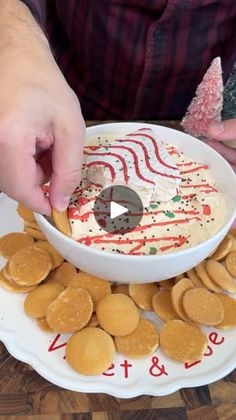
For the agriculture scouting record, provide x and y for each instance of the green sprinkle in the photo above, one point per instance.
(176, 198)
(154, 206)
(169, 214)
(153, 250)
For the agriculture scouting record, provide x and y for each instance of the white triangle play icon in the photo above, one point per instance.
(117, 210)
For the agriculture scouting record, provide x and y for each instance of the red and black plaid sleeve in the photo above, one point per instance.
(37, 8)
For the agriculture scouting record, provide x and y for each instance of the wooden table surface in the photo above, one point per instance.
(25, 395)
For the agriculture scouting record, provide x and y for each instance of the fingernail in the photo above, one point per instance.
(62, 203)
(217, 127)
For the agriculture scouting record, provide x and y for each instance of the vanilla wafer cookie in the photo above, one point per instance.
(183, 341)
(220, 276)
(223, 248)
(62, 275)
(33, 225)
(206, 279)
(166, 284)
(37, 301)
(177, 294)
(13, 287)
(71, 311)
(233, 246)
(35, 233)
(117, 314)
(142, 294)
(43, 325)
(120, 288)
(229, 305)
(162, 305)
(142, 342)
(25, 213)
(90, 351)
(192, 275)
(29, 266)
(202, 306)
(56, 258)
(230, 263)
(13, 242)
(97, 288)
(62, 222)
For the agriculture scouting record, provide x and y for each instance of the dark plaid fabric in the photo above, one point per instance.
(138, 59)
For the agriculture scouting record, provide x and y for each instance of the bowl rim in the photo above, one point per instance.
(41, 219)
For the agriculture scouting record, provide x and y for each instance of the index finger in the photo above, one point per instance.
(67, 155)
(22, 175)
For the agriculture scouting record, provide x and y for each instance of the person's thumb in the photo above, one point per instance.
(223, 130)
(66, 162)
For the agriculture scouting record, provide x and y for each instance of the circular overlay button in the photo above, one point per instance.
(118, 209)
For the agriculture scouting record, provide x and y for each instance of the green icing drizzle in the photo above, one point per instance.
(153, 250)
(169, 214)
(176, 198)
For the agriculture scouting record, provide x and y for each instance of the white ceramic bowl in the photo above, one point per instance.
(141, 269)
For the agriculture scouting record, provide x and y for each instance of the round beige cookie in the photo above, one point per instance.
(166, 284)
(206, 279)
(220, 276)
(57, 259)
(93, 322)
(14, 242)
(33, 225)
(223, 248)
(37, 301)
(62, 222)
(120, 288)
(71, 311)
(233, 246)
(98, 288)
(177, 294)
(35, 233)
(233, 232)
(117, 314)
(25, 213)
(192, 275)
(13, 287)
(179, 277)
(62, 275)
(202, 306)
(142, 294)
(90, 351)
(162, 305)
(5, 272)
(43, 325)
(183, 341)
(229, 305)
(142, 342)
(29, 266)
(230, 263)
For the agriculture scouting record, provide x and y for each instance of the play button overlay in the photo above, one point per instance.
(118, 209)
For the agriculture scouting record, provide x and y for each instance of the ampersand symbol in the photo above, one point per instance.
(161, 368)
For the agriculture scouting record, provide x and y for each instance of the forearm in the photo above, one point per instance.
(19, 32)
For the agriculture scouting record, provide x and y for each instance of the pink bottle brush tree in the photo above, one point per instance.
(207, 104)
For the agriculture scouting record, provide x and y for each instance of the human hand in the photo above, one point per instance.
(224, 131)
(41, 126)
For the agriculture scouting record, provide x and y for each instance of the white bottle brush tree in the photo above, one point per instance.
(207, 104)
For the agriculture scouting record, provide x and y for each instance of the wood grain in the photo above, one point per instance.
(25, 395)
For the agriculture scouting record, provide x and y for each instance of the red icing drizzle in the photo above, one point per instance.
(125, 169)
(155, 148)
(147, 160)
(206, 209)
(100, 162)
